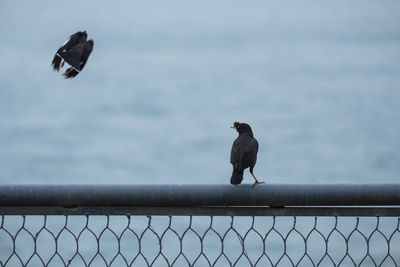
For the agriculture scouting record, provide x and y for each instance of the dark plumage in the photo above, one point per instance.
(75, 52)
(243, 153)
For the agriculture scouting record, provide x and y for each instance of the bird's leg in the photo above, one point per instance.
(62, 63)
(255, 180)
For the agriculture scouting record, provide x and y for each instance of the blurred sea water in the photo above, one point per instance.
(317, 81)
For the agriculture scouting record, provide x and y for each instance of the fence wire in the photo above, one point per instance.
(198, 241)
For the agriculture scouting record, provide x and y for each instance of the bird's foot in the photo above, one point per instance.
(256, 182)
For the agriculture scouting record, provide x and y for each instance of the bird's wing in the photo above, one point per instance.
(70, 72)
(73, 56)
(56, 63)
(235, 151)
(88, 47)
(244, 152)
(250, 155)
(71, 42)
(252, 146)
(67, 45)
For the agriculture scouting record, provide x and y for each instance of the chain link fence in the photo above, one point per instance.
(200, 225)
(72, 240)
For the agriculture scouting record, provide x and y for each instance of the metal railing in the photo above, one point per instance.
(200, 225)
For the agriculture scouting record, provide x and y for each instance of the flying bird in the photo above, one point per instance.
(243, 153)
(75, 52)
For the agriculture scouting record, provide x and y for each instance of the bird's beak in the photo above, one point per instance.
(233, 127)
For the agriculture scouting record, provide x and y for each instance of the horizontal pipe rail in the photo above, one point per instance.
(266, 199)
(205, 211)
(202, 195)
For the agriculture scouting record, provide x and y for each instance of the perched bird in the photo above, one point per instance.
(243, 153)
(75, 52)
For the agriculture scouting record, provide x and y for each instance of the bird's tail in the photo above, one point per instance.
(237, 177)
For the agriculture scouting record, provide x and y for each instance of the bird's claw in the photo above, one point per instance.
(256, 183)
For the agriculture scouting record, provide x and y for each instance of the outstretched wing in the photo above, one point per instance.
(77, 58)
(73, 40)
(88, 48)
(56, 63)
(70, 72)
(73, 56)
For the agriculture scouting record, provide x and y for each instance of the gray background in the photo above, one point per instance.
(318, 81)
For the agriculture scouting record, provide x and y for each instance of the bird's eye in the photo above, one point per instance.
(238, 126)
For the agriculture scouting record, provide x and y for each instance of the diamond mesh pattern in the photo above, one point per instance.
(198, 241)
